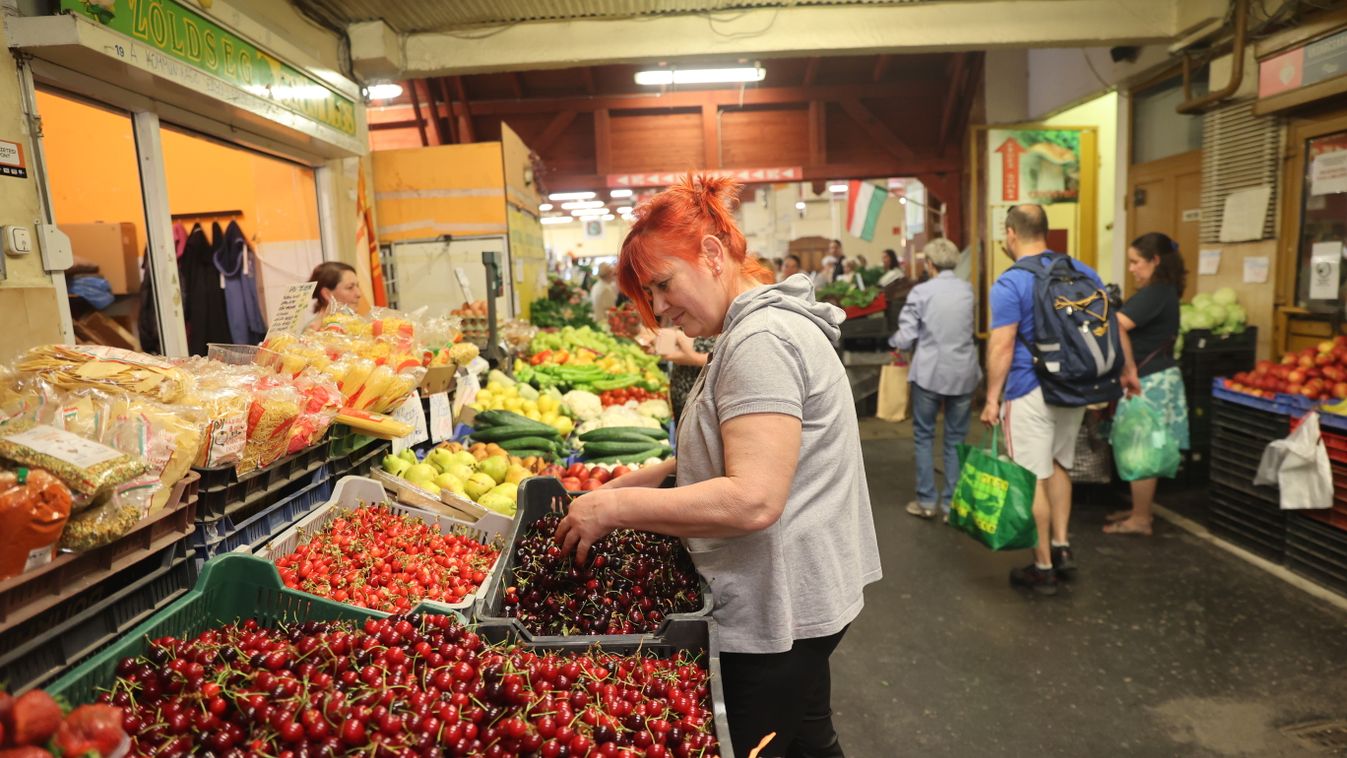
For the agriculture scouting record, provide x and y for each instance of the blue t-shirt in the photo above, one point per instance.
(1012, 299)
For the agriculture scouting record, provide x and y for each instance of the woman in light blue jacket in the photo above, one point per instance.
(938, 321)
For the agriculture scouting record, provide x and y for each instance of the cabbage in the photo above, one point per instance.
(1186, 320)
(1224, 296)
(1236, 314)
(1201, 320)
(1216, 313)
(1201, 301)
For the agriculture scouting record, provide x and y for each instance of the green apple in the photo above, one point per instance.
(478, 484)
(495, 466)
(421, 472)
(498, 503)
(395, 465)
(449, 482)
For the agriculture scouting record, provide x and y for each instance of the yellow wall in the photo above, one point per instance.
(425, 192)
(94, 177)
(1102, 114)
(528, 259)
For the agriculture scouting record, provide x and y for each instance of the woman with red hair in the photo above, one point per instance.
(771, 498)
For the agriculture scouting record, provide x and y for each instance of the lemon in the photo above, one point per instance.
(531, 407)
(549, 418)
(564, 426)
(514, 404)
(533, 415)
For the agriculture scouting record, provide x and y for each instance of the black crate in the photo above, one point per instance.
(536, 498)
(1246, 519)
(252, 530)
(225, 493)
(357, 462)
(40, 649)
(1317, 551)
(1207, 356)
(1248, 423)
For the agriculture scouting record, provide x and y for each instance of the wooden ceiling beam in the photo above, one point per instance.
(559, 124)
(416, 108)
(442, 83)
(881, 67)
(722, 97)
(441, 137)
(952, 97)
(821, 172)
(465, 132)
(880, 133)
(517, 84)
(810, 72)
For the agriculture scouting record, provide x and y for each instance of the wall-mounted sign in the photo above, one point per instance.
(1033, 166)
(180, 32)
(745, 175)
(11, 160)
(1302, 66)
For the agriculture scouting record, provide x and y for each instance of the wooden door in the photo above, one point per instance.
(1166, 196)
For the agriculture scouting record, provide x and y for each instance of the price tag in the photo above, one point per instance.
(414, 415)
(292, 306)
(441, 417)
(467, 391)
(462, 277)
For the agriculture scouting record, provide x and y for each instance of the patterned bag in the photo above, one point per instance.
(994, 499)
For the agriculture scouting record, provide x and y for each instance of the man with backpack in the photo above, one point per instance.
(1055, 347)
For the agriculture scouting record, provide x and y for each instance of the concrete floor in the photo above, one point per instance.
(1165, 646)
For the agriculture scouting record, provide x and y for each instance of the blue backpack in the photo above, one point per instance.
(1077, 349)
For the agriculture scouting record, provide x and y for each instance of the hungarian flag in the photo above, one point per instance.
(863, 203)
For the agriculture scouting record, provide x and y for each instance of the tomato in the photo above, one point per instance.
(619, 471)
(571, 484)
(599, 475)
(591, 485)
(577, 470)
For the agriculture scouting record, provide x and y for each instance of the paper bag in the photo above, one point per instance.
(893, 392)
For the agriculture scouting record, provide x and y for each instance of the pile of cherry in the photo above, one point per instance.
(405, 686)
(376, 558)
(631, 582)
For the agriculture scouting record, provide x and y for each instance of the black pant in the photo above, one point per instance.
(788, 693)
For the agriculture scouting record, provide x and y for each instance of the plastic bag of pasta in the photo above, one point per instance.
(87, 467)
(221, 395)
(109, 368)
(34, 508)
(274, 409)
(112, 516)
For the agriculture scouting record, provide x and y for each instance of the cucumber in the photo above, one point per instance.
(506, 418)
(619, 448)
(526, 453)
(659, 452)
(529, 443)
(501, 434)
(622, 432)
(639, 439)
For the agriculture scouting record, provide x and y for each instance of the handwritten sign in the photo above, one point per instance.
(412, 414)
(441, 417)
(292, 306)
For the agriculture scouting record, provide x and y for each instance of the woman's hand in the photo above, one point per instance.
(586, 522)
(683, 352)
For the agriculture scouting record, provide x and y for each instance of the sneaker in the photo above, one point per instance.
(916, 510)
(1064, 562)
(1034, 578)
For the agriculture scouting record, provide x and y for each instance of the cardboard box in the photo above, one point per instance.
(438, 379)
(113, 247)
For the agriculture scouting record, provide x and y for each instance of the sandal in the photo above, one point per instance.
(1128, 527)
(1118, 516)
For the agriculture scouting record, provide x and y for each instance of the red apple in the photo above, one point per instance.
(1340, 390)
(1340, 340)
(1291, 388)
(1296, 377)
(1325, 346)
(620, 471)
(1306, 361)
(1309, 393)
(1290, 359)
(590, 485)
(571, 484)
(1324, 358)
(599, 475)
(1264, 366)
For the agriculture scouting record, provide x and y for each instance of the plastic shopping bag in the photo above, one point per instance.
(994, 499)
(1298, 466)
(1143, 445)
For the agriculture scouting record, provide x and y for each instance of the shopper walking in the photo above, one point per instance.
(1151, 320)
(603, 295)
(1039, 436)
(771, 498)
(938, 321)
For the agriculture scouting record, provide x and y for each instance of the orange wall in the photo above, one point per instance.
(91, 158)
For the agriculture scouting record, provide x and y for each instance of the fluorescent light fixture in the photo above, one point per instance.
(556, 219)
(545, 207)
(624, 210)
(383, 90)
(663, 76)
(799, 205)
(619, 193)
(607, 217)
(588, 212)
(559, 196)
(572, 205)
(837, 188)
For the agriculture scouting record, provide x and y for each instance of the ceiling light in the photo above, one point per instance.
(902, 201)
(558, 196)
(617, 193)
(383, 91)
(588, 212)
(663, 76)
(837, 188)
(572, 205)
(607, 217)
(624, 210)
(556, 219)
(545, 207)
(799, 205)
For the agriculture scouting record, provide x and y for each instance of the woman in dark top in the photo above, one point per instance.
(1151, 320)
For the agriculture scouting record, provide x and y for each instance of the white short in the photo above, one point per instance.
(1038, 433)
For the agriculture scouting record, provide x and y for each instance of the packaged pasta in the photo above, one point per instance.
(167, 437)
(34, 508)
(87, 467)
(71, 366)
(222, 396)
(274, 409)
(113, 516)
(322, 400)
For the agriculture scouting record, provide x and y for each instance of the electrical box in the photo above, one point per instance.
(17, 240)
(56, 254)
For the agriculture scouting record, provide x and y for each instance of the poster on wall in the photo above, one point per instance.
(1033, 166)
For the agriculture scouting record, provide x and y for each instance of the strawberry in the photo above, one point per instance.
(35, 719)
(91, 728)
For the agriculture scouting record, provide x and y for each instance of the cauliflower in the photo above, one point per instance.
(657, 409)
(620, 415)
(583, 405)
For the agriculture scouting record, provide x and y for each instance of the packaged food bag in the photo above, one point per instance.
(994, 499)
(1143, 445)
(1299, 468)
(34, 508)
(112, 516)
(88, 468)
(111, 368)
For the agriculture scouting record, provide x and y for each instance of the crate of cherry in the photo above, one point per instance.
(633, 585)
(360, 549)
(244, 666)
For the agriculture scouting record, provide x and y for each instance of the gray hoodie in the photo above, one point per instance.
(803, 576)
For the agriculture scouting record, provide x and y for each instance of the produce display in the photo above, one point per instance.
(847, 295)
(505, 394)
(587, 359)
(623, 396)
(520, 435)
(565, 306)
(583, 478)
(1219, 312)
(630, 584)
(376, 558)
(406, 685)
(491, 481)
(625, 444)
(1318, 373)
(33, 722)
(624, 320)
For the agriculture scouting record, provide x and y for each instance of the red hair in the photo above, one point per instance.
(673, 223)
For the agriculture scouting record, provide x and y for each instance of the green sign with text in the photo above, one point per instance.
(179, 31)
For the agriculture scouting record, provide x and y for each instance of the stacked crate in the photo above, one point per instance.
(1316, 540)
(1205, 357)
(1246, 514)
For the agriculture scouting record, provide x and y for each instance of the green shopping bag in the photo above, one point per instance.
(1144, 447)
(994, 499)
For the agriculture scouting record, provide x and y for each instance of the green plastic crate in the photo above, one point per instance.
(343, 440)
(232, 586)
